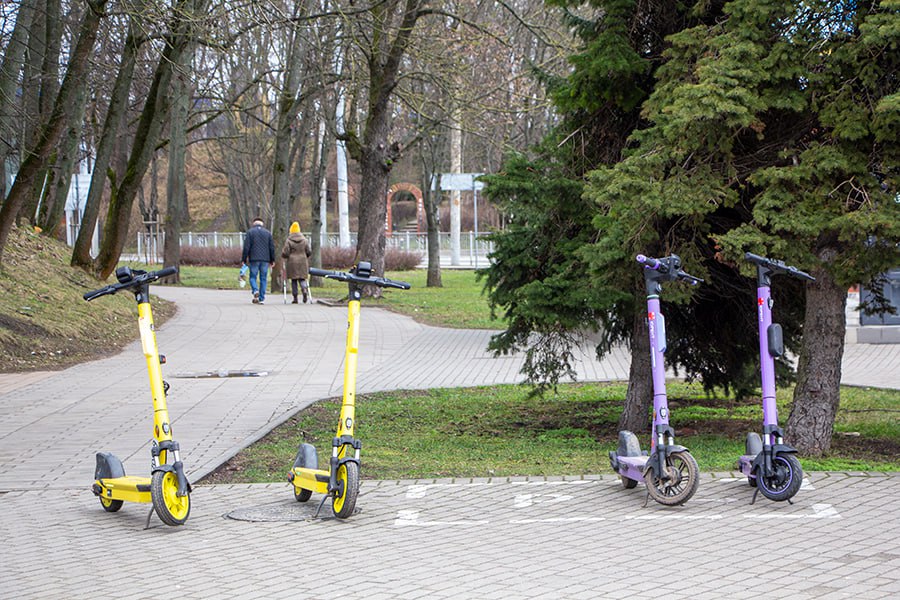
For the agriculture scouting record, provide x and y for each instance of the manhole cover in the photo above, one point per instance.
(282, 511)
(221, 373)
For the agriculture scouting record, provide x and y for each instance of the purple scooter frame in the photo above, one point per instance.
(769, 463)
(669, 471)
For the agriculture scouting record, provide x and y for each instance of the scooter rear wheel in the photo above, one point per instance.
(684, 477)
(786, 480)
(110, 505)
(628, 484)
(306, 459)
(348, 479)
(172, 509)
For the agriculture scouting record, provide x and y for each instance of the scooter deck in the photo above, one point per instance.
(315, 480)
(745, 464)
(128, 488)
(632, 467)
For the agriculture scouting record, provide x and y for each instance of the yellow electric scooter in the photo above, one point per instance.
(167, 487)
(341, 481)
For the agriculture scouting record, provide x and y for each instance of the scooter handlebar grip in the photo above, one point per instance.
(648, 262)
(101, 292)
(689, 278)
(328, 274)
(165, 272)
(400, 285)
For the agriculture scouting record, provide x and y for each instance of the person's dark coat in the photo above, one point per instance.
(258, 246)
(296, 251)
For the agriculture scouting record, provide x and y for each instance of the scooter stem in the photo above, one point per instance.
(766, 360)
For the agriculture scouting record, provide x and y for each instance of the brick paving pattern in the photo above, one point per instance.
(526, 538)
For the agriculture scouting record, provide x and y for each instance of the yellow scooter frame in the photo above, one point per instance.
(340, 481)
(167, 488)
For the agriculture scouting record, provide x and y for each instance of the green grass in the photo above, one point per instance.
(502, 431)
(459, 303)
(45, 322)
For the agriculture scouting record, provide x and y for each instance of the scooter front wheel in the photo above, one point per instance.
(110, 505)
(171, 508)
(683, 479)
(348, 481)
(787, 475)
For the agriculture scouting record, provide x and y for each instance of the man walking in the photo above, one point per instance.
(259, 255)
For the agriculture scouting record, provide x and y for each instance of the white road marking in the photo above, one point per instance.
(556, 520)
(526, 500)
(406, 518)
(668, 517)
(820, 511)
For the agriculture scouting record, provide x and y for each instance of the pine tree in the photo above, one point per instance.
(774, 130)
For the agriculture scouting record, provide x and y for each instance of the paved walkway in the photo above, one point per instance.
(472, 538)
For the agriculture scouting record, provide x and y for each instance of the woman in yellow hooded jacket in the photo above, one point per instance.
(296, 253)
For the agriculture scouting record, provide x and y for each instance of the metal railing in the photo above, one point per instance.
(150, 247)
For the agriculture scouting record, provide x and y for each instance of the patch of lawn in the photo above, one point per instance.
(45, 323)
(459, 303)
(502, 431)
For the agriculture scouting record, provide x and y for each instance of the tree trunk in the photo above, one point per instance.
(13, 62)
(818, 392)
(319, 194)
(37, 159)
(288, 108)
(430, 199)
(115, 115)
(153, 116)
(54, 205)
(635, 414)
(176, 192)
(373, 191)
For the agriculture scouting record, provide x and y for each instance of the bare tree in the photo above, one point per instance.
(50, 134)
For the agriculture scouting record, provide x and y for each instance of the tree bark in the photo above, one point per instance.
(635, 413)
(153, 116)
(374, 152)
(115, 116)
(11, 68)
(431, 199)
(817, 393)
(176, 191)
(319, 197)
(37, 159)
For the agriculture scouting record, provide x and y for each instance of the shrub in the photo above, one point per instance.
(210, 257)
(338, 259)
(401, 260)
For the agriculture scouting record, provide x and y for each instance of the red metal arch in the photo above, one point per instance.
(420, 206)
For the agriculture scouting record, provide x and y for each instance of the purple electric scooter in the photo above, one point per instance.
(769, 463)
(669, 472)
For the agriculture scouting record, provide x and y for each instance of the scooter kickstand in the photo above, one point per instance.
(646, 500)
(755, 492)
(321, 504)
(149, 515)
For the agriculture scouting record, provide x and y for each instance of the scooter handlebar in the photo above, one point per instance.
(651, 263)
(663, 266)
(353, 278)
(110, 289)
(777, 266)
(136, 278)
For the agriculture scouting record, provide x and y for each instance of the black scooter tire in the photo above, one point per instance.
(787, 481)
(172, 510)
(688, 474)
(306, 458)
(347, 474)
(110, 505)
